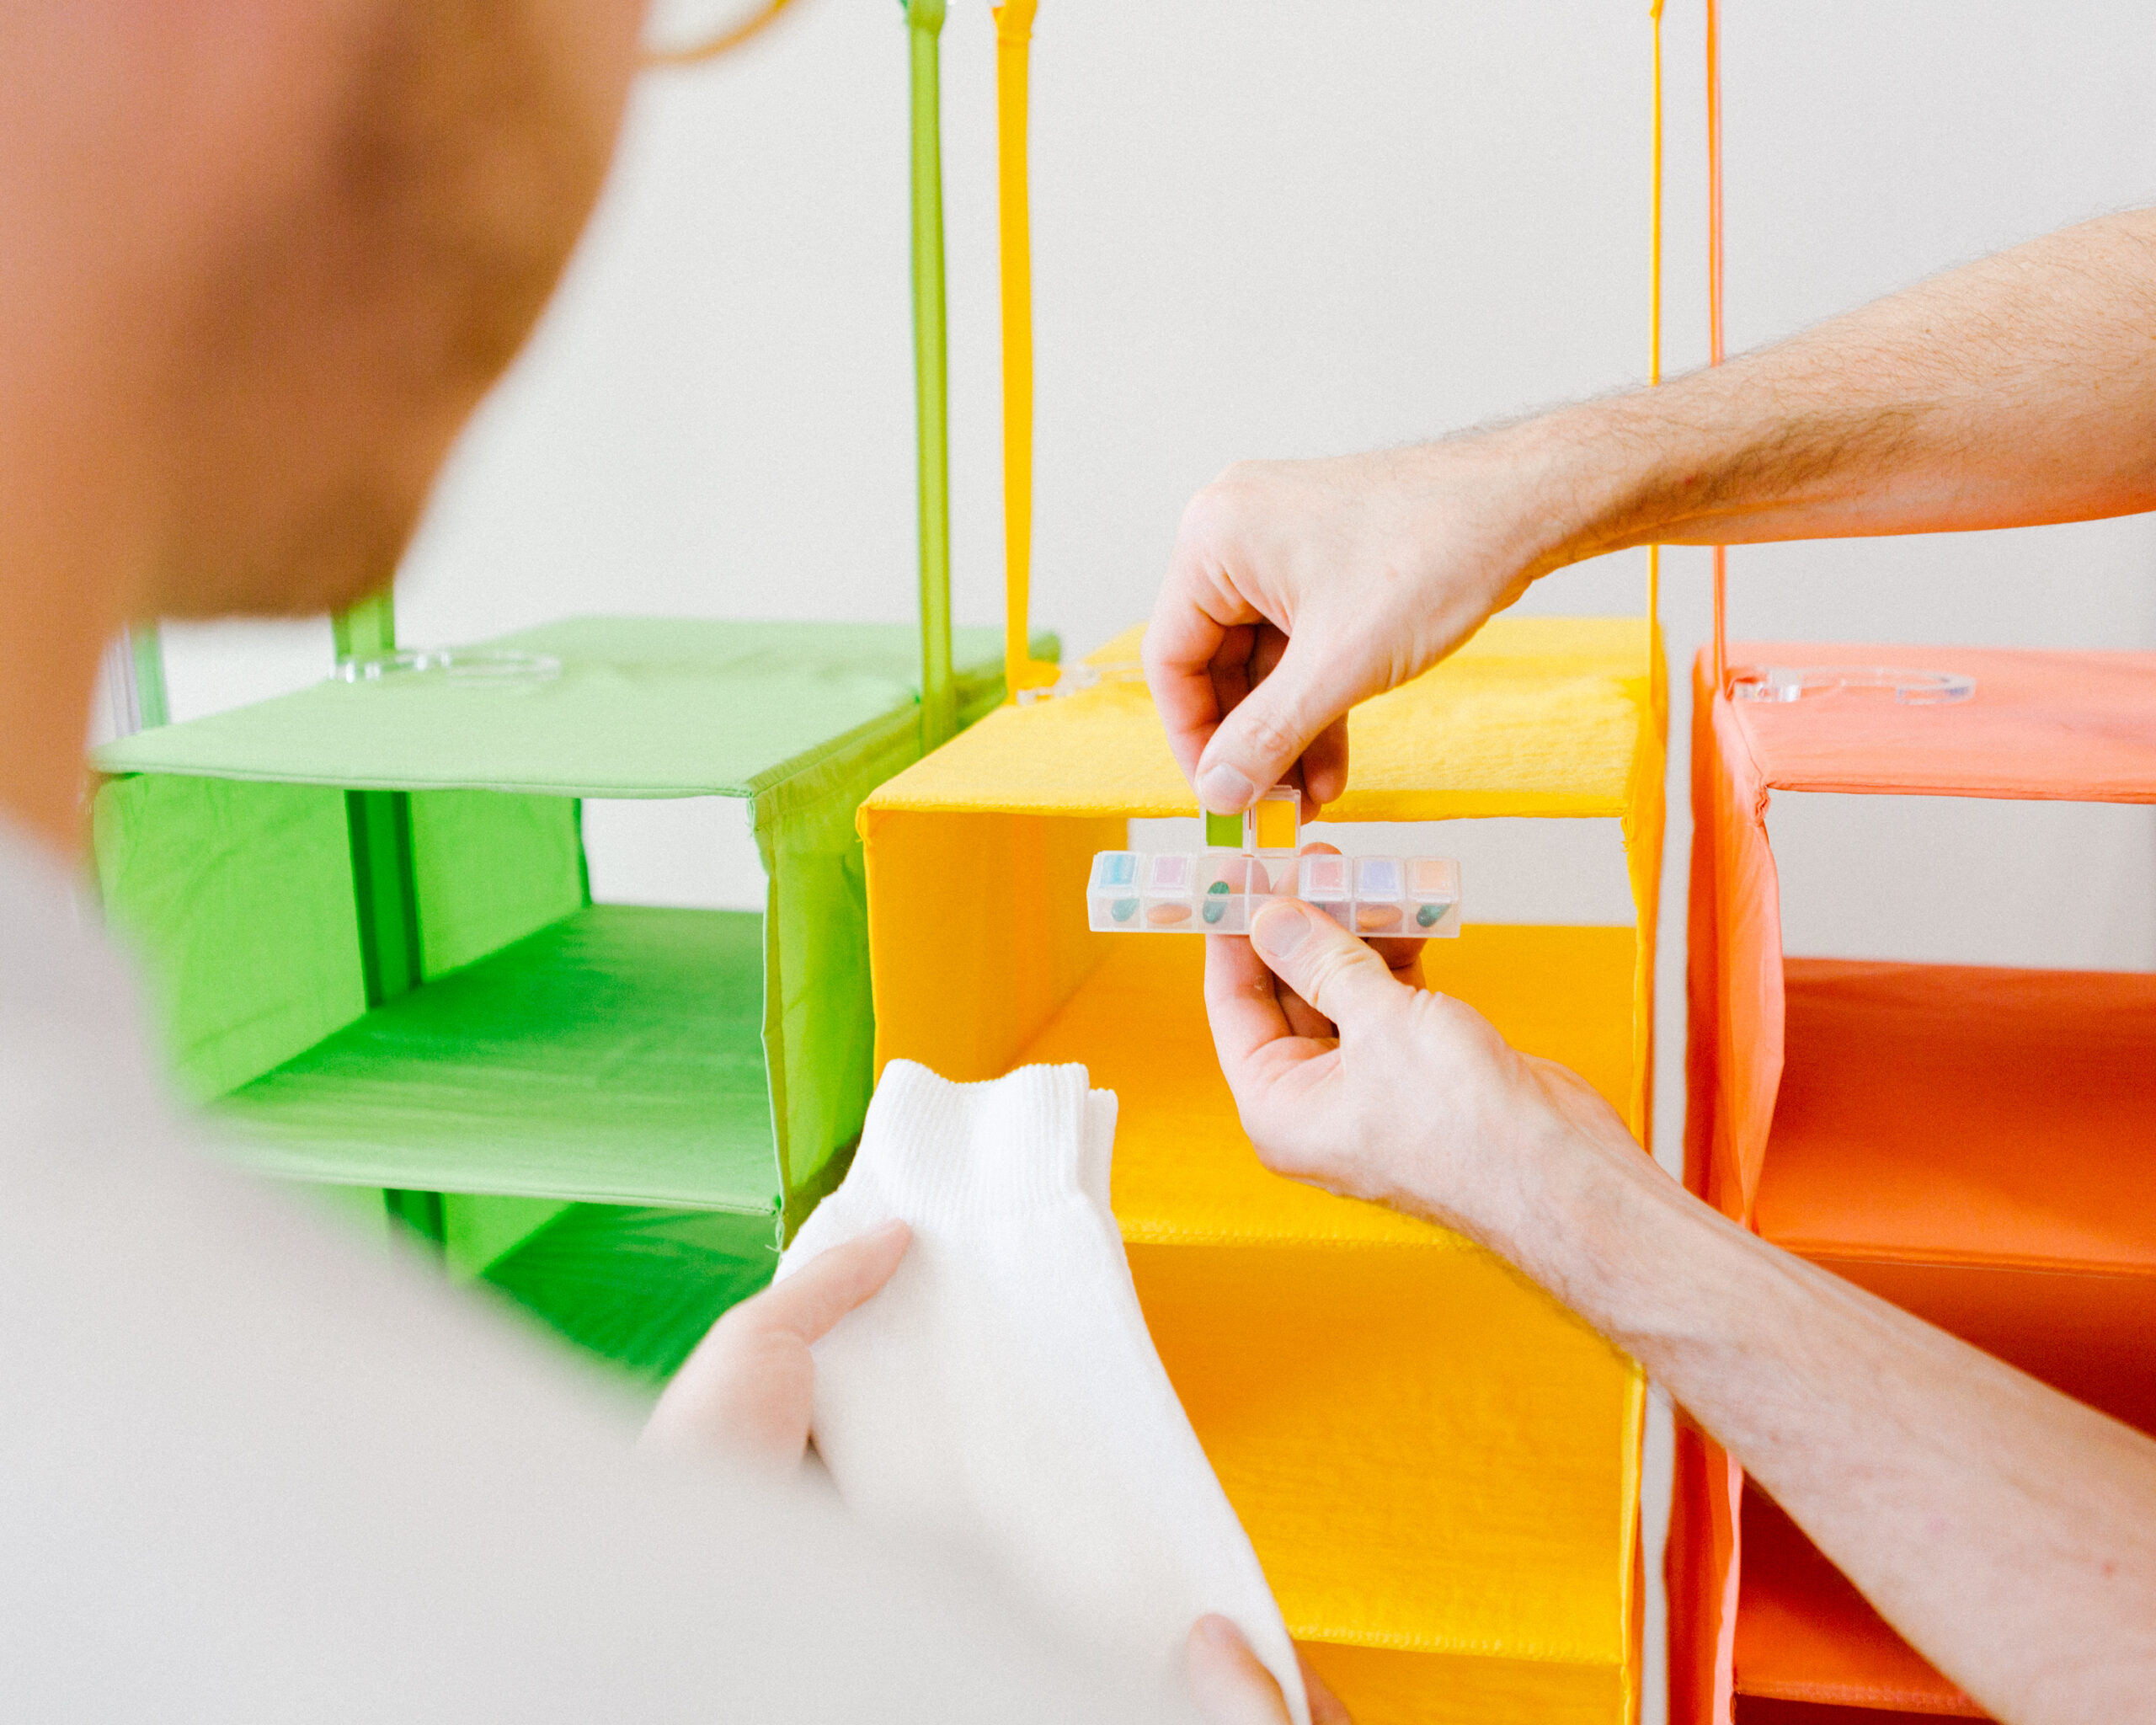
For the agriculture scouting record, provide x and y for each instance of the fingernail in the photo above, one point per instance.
(1223, 790)
(1278, 930)
(1217, 1630)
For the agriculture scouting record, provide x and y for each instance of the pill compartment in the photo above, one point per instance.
(1227, 883)
(1111, 901)
(1274, 821)
(1325, 882)
(1169, 880)
(1381, 896)
(1433, 895)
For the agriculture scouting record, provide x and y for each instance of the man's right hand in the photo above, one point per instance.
(1298, 589)
(1348, 1078)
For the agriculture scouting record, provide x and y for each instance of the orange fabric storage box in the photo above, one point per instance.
(1971, 1143)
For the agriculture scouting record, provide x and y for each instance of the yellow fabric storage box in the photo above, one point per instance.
(1438, 1467)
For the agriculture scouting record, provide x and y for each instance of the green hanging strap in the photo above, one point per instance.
(939, 715)
(382, 874)
(385, 885)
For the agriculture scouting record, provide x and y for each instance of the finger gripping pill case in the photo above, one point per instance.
(1218, 889)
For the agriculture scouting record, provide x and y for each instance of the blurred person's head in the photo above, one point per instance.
(258, 261)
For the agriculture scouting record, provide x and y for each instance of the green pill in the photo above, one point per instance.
(1216, 901)
(1123, 910)
(1429, 914)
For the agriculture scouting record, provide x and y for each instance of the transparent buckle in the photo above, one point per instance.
(1909, 688)
(476, 667)
(1077, 678)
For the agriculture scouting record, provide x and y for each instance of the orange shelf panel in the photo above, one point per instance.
(1805, 1635)
(1753, 1710)
(1184, 1168)
(2086, 1335)
(2041, 726)
(1952, 1115)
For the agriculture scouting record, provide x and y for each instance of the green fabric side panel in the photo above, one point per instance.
(639, 1287)
(642, 706)
(238, 899)
(819, 1022)
(491, 868)
(819, 1028)
(616, 1056)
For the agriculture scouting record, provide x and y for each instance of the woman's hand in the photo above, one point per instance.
(1231, 1687)
(749, 1388)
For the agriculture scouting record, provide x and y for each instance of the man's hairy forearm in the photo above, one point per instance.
(2008, 1531)
(2017, 390)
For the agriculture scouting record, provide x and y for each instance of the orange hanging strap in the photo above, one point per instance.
(1014, 29)
(1713, 304)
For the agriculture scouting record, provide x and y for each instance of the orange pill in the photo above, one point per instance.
(1371, 918)
(1161, 916)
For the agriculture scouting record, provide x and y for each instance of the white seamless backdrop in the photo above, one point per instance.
(1266, 229)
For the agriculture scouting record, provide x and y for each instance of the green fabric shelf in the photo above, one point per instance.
(614, 1057)
(551, 1050)
(643, 706)
(637, 1287)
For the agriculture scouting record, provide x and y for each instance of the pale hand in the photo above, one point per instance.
(1350, 1079)
(748, 1390)
(1297, 589)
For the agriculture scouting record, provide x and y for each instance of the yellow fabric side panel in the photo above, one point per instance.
(1427, 1451)
(1643, 825)
(1534, 716)
(972, 945)
(1384, 1688)
(1183, 1169)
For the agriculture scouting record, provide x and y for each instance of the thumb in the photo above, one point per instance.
(1342, 979)
(1266, 731)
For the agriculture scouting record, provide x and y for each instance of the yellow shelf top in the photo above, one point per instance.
(1542, 716)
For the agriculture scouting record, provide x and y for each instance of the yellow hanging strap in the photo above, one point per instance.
(1014, 31)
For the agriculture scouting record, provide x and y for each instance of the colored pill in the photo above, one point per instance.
(1123, 910)
(1368, 917)
(1216, 901)
(1161, 916)
(1430, 914)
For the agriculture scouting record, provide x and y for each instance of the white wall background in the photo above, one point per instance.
(1278, 229)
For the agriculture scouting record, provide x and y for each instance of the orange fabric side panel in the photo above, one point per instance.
(1747, 932)
(1699, 1569)
(2071, 727)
